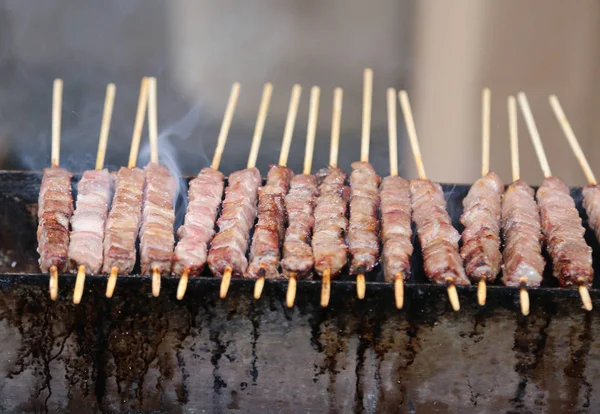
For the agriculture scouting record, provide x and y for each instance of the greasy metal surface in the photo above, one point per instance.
(136, 352)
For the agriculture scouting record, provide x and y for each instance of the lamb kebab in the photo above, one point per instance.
(363, 229)
(204, 199)
(227, 254)
(331, 225)
(438, 238)
(561, 224)
(480, 250)
(396, 232)
(521, 227)
(265, 250)
(124, 218)
(94, 193)
(298, 259)
(157, 237)
(55, 204)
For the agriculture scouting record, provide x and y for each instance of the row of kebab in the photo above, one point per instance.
(306, 225)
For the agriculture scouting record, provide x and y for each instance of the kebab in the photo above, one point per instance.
(204, 200)
(521, 227)
(331, 225)
(591, 195)
(298, 259)
(480, 249)
(94, 192)
(227, 254)
(123, 222)
(396, 232)
(157, 237)
(55, 204)
(269, 231)
(439, 239)
(363, 228)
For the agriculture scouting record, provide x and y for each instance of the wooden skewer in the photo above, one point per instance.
(139, 123)
(414, 143)
(535, 135)
(57, 92)
(485, 169)
(153, 137)
(338, 95)
(223, 134)
(255, 146)
(574, 143)
(311, 132)
(361, 285)
(283, 158)
(104, 130)
(140, 117)
(393, 150)
(516, 175)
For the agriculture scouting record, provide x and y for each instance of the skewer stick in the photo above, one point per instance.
(223, 134)
(109, 102)
(139, 123)
(153, 120)
(535, 135)
(226, 125)
(55, 160)
(516, 175)
(259, 286)
(338, 95)
(255, 146)
(568, 131)
(414, 143)
(399, 286)
(485, 169)
(392, 131)
(412, 133)
(57, 93)
(361, 285)
(260, 124)
(315, 93)
(155, 282)
(104, 129)
(514, 138)
(53, 283)
(573, 142)
(112, 282)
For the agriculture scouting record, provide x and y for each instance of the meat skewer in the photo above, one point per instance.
(227, 254)
(298, 259)
(55, 204)
(157, 238)
(331, 225)
(561, 224)
(204, 200)
(123, 222)
(591, 193)
(265, 250)
(94, 193)
(396, 232)
(521, 226)
(439, 239)
(363, 229)
(482, 217)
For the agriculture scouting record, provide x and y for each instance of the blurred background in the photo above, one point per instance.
(443, 53)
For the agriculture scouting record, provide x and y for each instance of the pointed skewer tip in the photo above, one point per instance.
(183, 282)
(112, 282)
(155, 282)
(53, 282)
(258, 287)
(524, 296)
(79, 283)
(225, 282)
(326, 288)
(453, 296)
(585, 295)
(291, 291)
(399, 291)
(361, 286)
(481, 292)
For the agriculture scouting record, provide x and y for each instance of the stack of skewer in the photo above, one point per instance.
(306, 225)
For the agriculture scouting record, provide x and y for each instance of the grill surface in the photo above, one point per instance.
(143, 353)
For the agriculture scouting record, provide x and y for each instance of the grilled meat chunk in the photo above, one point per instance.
(55, 206)
(481, 217)
(363, 230)
(229, 246)
(439, 240)
(204, 199)
(563, 234)
(94, 193)
(591, 203)
(396, 232)
(522, 234)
